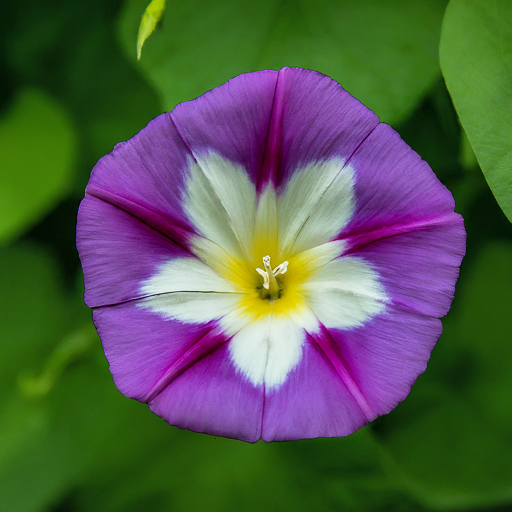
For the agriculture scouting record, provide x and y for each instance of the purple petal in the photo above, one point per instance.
(314, 401)
(231, 120)
(419, 269)
(212, 397)
(314, 119)
(385, 357)
(348, 378)
(271, 122)
(145, 177)
(117, 252)
(404, 224)
(183, 370)
(141, 346)
(396, 192)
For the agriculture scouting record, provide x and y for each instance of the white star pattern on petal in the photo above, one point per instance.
(237, 230)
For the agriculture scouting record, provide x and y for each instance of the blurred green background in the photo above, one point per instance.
(70, 89)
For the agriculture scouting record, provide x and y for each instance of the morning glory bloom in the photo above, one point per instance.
(268, 261)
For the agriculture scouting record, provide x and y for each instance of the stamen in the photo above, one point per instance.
(263, 274)
(269, 276)
(281, 269)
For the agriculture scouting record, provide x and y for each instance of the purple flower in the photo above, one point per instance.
(268, 260)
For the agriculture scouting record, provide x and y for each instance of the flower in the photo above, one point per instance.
(268, 260)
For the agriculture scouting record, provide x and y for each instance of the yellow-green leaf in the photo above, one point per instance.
(150, 18)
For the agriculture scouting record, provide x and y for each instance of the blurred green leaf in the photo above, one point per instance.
(482, 332)
(451, 458)
(73, 347)
(384, 53)
(346, 473)
(37, 145)
(476, 59)
(434, 133)
(150, 18)
(70, 49)
(450, 439)
(107, 95)
(231, 475)
(320, 475)
(467, 157)
(82, 429)
(35, 314)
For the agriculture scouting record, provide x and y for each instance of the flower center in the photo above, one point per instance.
(272, 290)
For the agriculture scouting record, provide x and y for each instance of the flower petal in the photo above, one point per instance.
(345, 293)
(273, 123)
(191, 307)
(146, 177)
(141, 346)
(404, 224)
(316, 204)
(118, 252)
(396, 192)
(185, 275)
(231, 120)
(221, 202)
(312, 402)
(385, 356)
(313, 120)
(419, 269)
(347, 378)
(267, 350)
(182, 370)
(212, 397)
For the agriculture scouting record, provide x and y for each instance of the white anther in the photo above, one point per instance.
(280, 269)
(263, 274)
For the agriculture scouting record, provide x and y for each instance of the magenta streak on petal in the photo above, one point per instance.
(208, 343)
(357, 242)
(170, 227)
(272, 155)
(326, 344)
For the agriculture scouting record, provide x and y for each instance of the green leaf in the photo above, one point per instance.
(77, 427)
(71, 50)
(36, 155)
(35, 314)
(107, 95)
(320, 475)
(150, 18)
(346, 471)
(450, 440)
(476, 59)
(482, 331)
(73, 347)
(231, 475)
(84, 431)
(452, 458)
(384, 53)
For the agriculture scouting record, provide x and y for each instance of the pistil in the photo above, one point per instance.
(269, 277)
